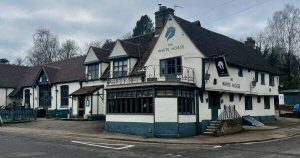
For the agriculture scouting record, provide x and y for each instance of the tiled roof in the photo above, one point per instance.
(102, 54)
(236, 53)
(58, 72)
(11, 75)
(141, 49)
(86, 90)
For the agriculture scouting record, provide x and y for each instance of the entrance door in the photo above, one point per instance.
(171, 68)
(81, 106)
(45, 96)
(214, 104)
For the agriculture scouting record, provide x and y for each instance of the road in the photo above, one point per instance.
(14, 145)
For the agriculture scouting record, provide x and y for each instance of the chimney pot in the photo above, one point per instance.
(161, 17)
(250, 42)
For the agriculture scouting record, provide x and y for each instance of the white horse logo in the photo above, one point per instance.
(221, 65)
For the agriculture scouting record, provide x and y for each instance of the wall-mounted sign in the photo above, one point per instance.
(281, 99)
(221, 66)
(170, 32)
(87, 103)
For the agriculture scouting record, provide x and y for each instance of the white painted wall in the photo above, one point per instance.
(257, 108)
(191, 56)
(34, 97)
(244, 82)
(91, 56)
(187, 118)
(130, 118)
(118, 50)
(131, 63)
(165, 109)
(4, 92)
(73, 86)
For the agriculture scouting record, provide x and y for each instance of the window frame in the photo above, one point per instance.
(120, 67)
(256, 76)
(185, 102)
(165, 67)
(258, 99)
(240, 72)
(248, 103)
(271, 80)
(93, 71)
(64, 95)
(231, 97)
(267, 104)
(262, 80)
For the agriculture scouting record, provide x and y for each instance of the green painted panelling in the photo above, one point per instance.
(60, 113)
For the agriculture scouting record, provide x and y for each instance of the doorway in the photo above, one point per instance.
(214, 104)
(81, 106)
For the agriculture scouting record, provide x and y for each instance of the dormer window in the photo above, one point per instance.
(93, 71)
(120, 68)
(43, 78)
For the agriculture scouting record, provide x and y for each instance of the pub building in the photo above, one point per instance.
(168, 83)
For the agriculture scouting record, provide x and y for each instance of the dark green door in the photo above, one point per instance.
(214, 104)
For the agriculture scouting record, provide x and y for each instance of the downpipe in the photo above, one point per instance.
(1, 121)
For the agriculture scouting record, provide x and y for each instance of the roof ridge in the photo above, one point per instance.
(23, 66)
(51, 66)
(101, 48)
(62, 60)
(153, 32)
(130, 43)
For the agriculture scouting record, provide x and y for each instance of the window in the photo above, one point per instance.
(256, 76)
(93, 71)
(248, 103)
(130, 102)
(186, 102)
(27, 98)
(165, 92)
(171, 66)
(64, 95)
(240, 73)
(267, 102)
(258, 99)
(262, 78)
(231, 97)
(120, 68)
(271, 80)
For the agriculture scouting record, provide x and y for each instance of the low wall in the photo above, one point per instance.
(230, 127)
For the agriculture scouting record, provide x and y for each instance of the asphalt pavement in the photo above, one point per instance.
(14, 145)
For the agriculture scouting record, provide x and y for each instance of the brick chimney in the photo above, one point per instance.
(250, 42)
(161, 17)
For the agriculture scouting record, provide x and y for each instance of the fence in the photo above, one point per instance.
(18, 115)
(229, 113)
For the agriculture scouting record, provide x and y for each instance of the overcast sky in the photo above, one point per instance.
(89, 20)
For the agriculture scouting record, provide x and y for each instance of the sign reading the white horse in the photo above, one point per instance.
(221, 66)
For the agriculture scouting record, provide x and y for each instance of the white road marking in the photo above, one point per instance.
(248, 143)
(105, 145)
(171, 155)
(217, 146)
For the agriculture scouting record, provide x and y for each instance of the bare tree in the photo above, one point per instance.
(127, 35)
(279, 42)
(68, 49)
(98, 43)
(45, 47)
(19, 61)
(283, 29)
